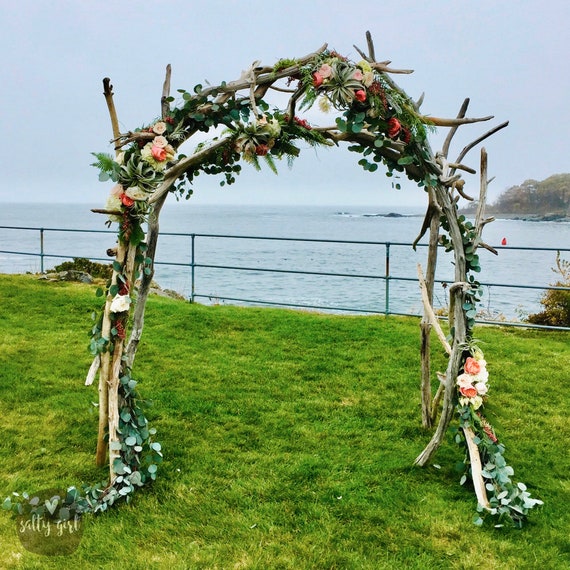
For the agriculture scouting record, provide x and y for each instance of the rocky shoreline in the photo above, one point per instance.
(532, 217)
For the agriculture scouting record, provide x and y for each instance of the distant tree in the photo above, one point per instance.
(550, 196)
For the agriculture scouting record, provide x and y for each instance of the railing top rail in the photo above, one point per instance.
(42, 229)
(279, 238)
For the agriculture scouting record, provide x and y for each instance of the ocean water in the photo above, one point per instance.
(502, 273)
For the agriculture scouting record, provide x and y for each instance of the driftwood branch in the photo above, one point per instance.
(182, 166)
(457, 166)
(432, 220)
(269, 77)
(430, 313)
(108, 93)
(418, 103)
(476, 468)
(479, 140)
(482, 193)
(164, 104)
(437, 398)
(433, 211)
(145, 283)
(480, 221)
(460, 328)
(443, 122)
(385, 69)
(453, 130)
(370, 43)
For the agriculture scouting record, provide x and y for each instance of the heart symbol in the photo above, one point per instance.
(51, 506)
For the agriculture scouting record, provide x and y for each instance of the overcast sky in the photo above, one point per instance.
(510, 58)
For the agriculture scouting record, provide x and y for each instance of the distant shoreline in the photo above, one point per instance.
(523, 217)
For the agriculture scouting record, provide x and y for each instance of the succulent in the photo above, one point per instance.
(342, 86)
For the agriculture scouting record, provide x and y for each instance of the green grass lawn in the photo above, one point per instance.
(288, 438)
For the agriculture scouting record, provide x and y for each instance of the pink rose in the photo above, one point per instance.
(468, 391)
(158, 153)
(117, 190)
(394, 127)
(357, 75)
(472, 366)
(325, 71)
(317, 79)
(360, 95)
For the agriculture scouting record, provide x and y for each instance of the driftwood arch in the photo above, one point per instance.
(379, 122)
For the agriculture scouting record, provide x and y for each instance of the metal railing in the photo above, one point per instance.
(193, 265)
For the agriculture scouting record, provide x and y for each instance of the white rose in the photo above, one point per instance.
(368, 78)
(160, 142)
(120, 304)
(113, 204)
(273, 128)
(476, 402)
(159, 128)
(481, 388)
(136, 193)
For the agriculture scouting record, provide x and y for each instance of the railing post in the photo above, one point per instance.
(192, 266)
(387, 275)
(41, 250)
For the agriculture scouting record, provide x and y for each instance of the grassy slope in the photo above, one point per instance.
(288, 439)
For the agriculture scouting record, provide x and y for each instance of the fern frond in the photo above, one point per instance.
(105, 162)
(271, 163)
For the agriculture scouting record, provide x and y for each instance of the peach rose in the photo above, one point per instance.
(468, 391)
(357, 75)
(472, 366)
(158, 153)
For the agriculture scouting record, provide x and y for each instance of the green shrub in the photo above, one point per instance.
(556, 303)
(96, 270)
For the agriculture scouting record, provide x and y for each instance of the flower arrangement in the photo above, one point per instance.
(507, 501)
(354, 88)
(472, 384)
(257, 138)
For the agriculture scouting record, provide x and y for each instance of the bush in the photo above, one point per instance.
(556, 303)
(96, 270)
